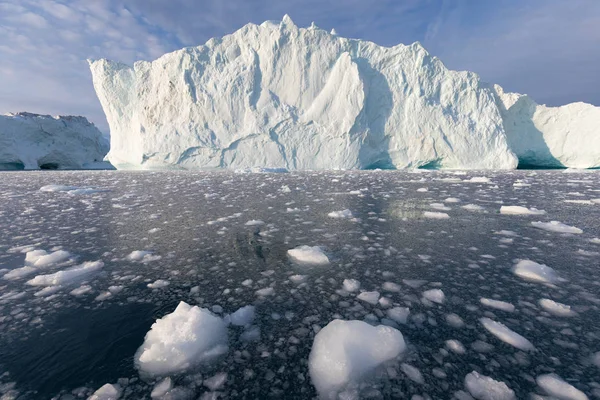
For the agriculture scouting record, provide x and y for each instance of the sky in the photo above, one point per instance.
(549, 49)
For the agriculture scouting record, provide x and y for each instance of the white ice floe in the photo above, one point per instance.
(19, 273)
(351, 285)
(243, 316)
(161, 388)
(455, 346)
(557, 309)
(412, 373)
(216, 382)
(556, 387)
(596, 359)
(506, 335)
(369, 297)
(344, 352)
(254, 222)
(483, 387)
(435, 295)
(264, 292)
(519, 210)
(139, 255)
(556, 226)
(534, 272)
(479, 179)
(398, 314)
(308, 255)
(341, 214)
(452, 200)
(158, 284)
(42, 259)
(497, 304)
(107, 392)
(440, 207)
(435, 215)
(66, 276)
(185, 338)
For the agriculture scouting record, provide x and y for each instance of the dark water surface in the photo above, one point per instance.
(58, 344)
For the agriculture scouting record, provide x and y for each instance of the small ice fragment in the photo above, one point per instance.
(497, 304)
(413, 373)
(435, 295)
(254, 222)
(344, 352)
(455, 346)
(183, 339)
(483, 387)
(506, 335)
(454, 321)
(398, 314)
(158, 284)
(161, 388)
(66, 276)
(452, 200)
(369, 297)
(216, 382)
(556, 226)
(556, 387)
(557, 309)
(297, 279)
(351, 285)
(308, 255)
(107, 392)
(341, 214)
(479, 179)
(269, 291)
(19, 273)
(435, 215)
(138, 255)
(534, 272)
(81, 290)
(242, 317)
(472, 207)
(520, 210)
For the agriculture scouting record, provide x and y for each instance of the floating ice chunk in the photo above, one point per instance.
(341, 214)
(596, 359)
(472, 207)
(138, 255)
(479, 179)
(556, 387)
(391, 287)
(422, 190)
(41, 259)
(242, 317)
(66, 276)
(435, 295)
(454, 321)
(455, 346)
(398, 314)
(81, 290)
(413, 373)
(254, 222)
(298, 279)
(19, 273)
(269, 291)
(483, 387)
(497, 304)
(439, 206)
(187, 337)
(158, 284)
(557, 309)
(506, 335)
(351, 285)
(161, 388)
(519, 210)
(556, 226)
(57, 188)
(595, 240)
(435, 215)
(107, 392)
(308, 255)
(344, 352)
(452, 200)
(216, 382)
(534, 272)
(369, 297)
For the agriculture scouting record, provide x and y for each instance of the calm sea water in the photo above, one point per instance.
(63, 345)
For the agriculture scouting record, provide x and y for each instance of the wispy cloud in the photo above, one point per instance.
(547, 48)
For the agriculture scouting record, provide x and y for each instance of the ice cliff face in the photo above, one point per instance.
(32, 141)
(278, 96)
(540, 136)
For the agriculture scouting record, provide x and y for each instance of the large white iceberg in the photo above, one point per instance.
(33, 141)
(278, 96)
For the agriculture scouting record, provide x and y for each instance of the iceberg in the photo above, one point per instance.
(277, 96)
(33, 141)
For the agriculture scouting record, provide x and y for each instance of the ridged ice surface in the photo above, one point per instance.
(32, 141)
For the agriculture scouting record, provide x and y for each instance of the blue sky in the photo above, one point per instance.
(549, 49)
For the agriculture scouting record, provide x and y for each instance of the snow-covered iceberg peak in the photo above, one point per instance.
(33, 141)
(275, 95)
